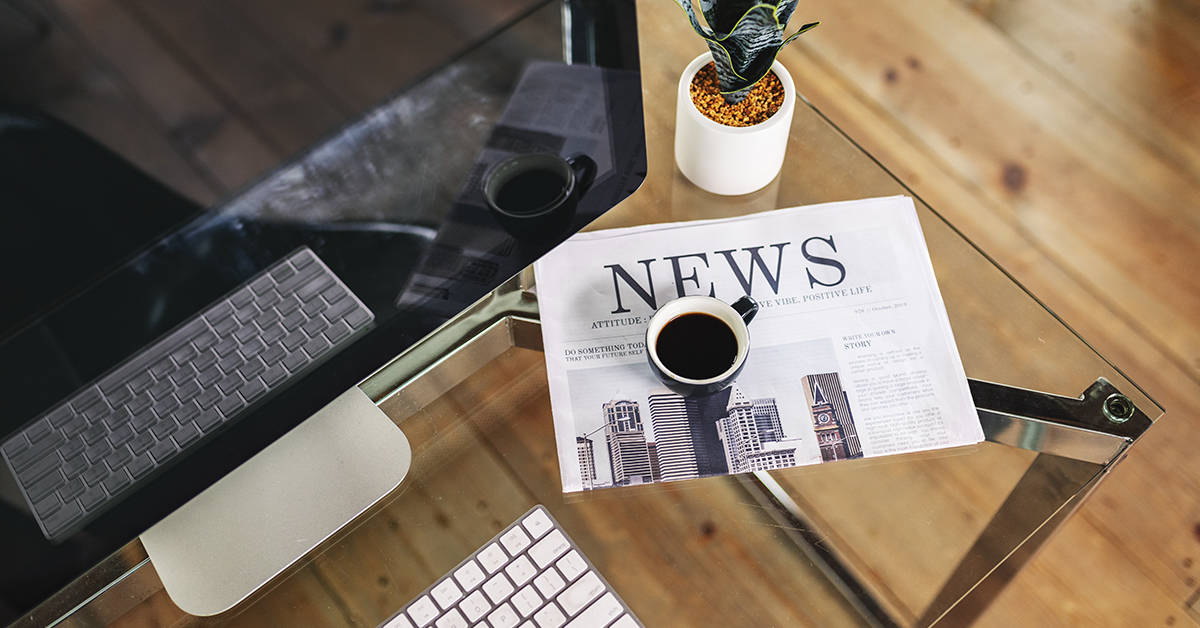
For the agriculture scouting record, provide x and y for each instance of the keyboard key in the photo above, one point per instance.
(252, 368)
(165, 406)
(526, 600)
(230, 383)
(208, 420)
(549, 583)
(358, 318)
(337, 331)
(74, 466)
(115, 482)
(185, 413)
(241, 298)
(225, 347)
(546, 550)
(515, 540)
(422, 611)
(94, 475)
(162, 450)
(186, 435)
(503, 617)
(520, 570)
(97, 452)
(313, 287)
(72, 489)
(92, 497)
(93, 434)
(452, 619)
(204, 360)
(45, 486)
(18, 444)
(571, 565)
(475, 606)
(314, 326)
(142, 421)
(274, 375)
(188, 390)
(141, 443)
(606, 609)
(252, 347)
(205, 340)
(317, 347)
(262, 285)
(139, 403)
(537, 523)
(296, 361)
(399, 621)
(469, 576)
(72, 448)
(498, 588)
(81, 403)
(231, 405)
(164, 428)
(121, 435)
(62, 518)
(161, 389)
(140, 466)
(578, 595)
(446, 593)
(492, 558)
(161, 368)
(549, 617)
(117, 458)
(140, 383)
(282, 272)
(252, 390)
(626, 621)
(62, 415)
(36, 452)
(287, 306)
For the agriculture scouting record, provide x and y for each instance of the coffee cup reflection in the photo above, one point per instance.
(536, 194)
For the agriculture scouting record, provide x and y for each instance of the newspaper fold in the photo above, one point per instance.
(851, 354)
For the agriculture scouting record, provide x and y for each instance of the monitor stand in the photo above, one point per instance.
(230, 540)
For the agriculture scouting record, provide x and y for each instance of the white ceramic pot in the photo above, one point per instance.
(726, 159)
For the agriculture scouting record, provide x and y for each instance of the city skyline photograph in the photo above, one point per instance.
(632, 430)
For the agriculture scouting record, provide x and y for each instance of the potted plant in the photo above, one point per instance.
(736, 101)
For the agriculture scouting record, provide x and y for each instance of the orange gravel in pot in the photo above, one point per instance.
(764, 99)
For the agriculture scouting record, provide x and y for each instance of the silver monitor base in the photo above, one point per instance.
(220, 547)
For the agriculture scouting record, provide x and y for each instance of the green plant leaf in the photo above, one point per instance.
(744, 36)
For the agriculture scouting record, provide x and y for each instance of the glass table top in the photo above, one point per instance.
(889, 541)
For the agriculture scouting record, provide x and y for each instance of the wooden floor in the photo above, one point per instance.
(1063, 137)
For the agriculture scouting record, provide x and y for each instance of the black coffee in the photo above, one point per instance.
(696, 346)
(530, 191)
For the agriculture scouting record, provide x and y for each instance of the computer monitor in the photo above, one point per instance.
(390, 207)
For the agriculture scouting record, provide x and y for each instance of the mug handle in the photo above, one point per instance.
(585, 171)
(746, 308)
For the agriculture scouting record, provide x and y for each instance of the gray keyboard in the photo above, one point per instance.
(110, 437)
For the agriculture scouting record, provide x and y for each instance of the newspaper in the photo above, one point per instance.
(851, 354)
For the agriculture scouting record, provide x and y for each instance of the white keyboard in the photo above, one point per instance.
(529, 576)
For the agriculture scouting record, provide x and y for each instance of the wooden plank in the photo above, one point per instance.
(1098, 591)
(1069, 179)
(1134, 60)
(201, 125)
(244, 71)
(362, 51)
(61, 77)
